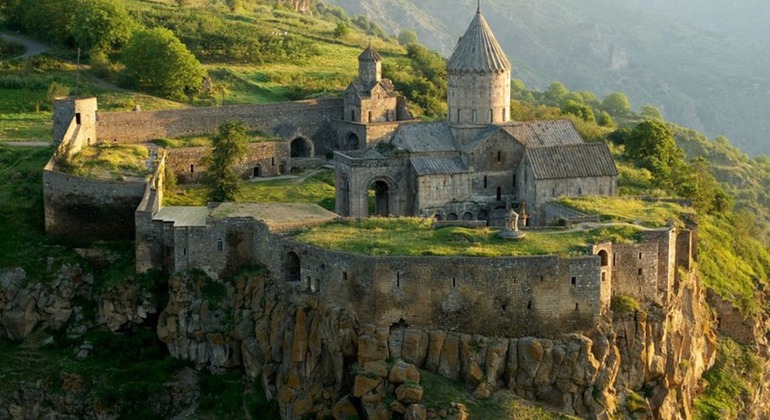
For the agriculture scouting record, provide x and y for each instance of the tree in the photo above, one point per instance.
(101, 25)
(651, 143)
(228, 149)
(650, 112)
(555, 94)
(616, 104)
(407, 36)
(156, 61)
(341, 30)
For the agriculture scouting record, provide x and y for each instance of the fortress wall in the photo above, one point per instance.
(90, 209)
(500, 296)
(148, 244)
(272, 158)
(548, 189)
(635, 270)
(314, 116)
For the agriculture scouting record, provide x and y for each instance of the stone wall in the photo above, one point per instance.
(82, 208)
(472, 96)
(313, 116)
(263, 159)
(354, 177)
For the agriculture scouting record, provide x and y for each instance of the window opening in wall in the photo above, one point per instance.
(542, 278)
(614, 258)
(573, 280)
(292, 267)
(504, 307)
(529, 305)
(580, 191)
(184, 251)
(454, 282)
(398, 279)
(352, 115)
(345, 276)
(272, 161)
(514, 180)
(514, 280)
(485, 182)
(220, 245)
(503, 116)
(499, 194)
(640, 255)
(77, 118)
(491, 113)
(475, 116)
(458, 115)
(370, 116)
(604, 276)
(577, 307)
(192, 169)
(641, 271)
(308, 283)
(603, 256)
(499, 156)
(553, 192)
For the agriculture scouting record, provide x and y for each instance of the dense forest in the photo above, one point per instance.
(198, 52)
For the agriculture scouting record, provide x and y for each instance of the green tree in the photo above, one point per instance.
(341, 30)
(650, 112)
(651, 143)
(555, 94)
(228, 150)
(616, 104)
(407, 36)
(156, 61)
(101, 25)
(584, 112)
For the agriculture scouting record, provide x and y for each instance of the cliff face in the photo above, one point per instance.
(318, 359)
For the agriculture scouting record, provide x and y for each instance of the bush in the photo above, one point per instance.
(625, 304)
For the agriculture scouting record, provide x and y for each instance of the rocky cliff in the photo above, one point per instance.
(317, 359)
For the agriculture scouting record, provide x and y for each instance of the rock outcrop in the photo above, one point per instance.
(646, 362)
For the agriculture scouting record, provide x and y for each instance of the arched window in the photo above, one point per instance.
(292, 267)
(605, 258)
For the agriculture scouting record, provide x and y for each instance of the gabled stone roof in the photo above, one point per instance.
(478, 50)
(369, 54)
(571, 161)
(424, 137)
(544, 133)
(438, 166)
(365, 91)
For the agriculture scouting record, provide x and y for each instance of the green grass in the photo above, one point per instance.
(625, 304)
(440, 392)
(110, 161)
(629, 209)
(26, 126)
(416, 237)
(732, 381)
(318, 189)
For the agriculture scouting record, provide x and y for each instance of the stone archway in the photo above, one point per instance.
(468, 216)
(301, 148)
(605, 258)
(351, 141)
(292, 268)
(382, 193)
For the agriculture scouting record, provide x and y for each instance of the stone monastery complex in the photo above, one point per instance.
(464, 170)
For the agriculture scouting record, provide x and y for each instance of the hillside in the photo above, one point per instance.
(700, 78)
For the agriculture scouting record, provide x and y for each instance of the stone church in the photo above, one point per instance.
(474, 163)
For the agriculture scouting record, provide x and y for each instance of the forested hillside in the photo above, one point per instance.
(712, 81)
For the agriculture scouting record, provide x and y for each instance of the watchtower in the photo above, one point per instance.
(74, 117)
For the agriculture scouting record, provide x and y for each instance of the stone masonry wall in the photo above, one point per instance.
(314, 116)
(91, 209)
(263, 159)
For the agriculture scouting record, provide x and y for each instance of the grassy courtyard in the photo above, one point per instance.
(416, 237)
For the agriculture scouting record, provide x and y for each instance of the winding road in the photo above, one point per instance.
(33, 47)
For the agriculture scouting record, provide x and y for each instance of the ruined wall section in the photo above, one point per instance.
(89, 209)
(314, 116)
(263, 159)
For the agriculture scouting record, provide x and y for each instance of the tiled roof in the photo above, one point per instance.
(544, 133)
(571, 161)
(424, 137)
(478, 50)
(438, 166)
(369, 54)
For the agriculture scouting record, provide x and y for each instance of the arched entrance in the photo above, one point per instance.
(351, 141)
(468, 216)
(483, 215)
(258, 171)
(451, 216)
(292, 268)
(381, 205)
(605, 258)
(301, 148)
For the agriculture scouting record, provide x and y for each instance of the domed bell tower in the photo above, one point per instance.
(479, 78)
(369, 66)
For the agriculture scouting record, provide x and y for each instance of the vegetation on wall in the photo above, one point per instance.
(228, 149)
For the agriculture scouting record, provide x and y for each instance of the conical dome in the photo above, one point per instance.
(369, 54)
(478, 50)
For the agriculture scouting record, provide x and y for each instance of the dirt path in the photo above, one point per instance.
(33, 47)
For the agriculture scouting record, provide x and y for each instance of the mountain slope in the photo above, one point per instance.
(701, 79)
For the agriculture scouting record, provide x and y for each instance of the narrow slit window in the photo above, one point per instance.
(573, 280)
(641, 271)
(220, 245)
(485, 182)
(454, 282)
(398, 279)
